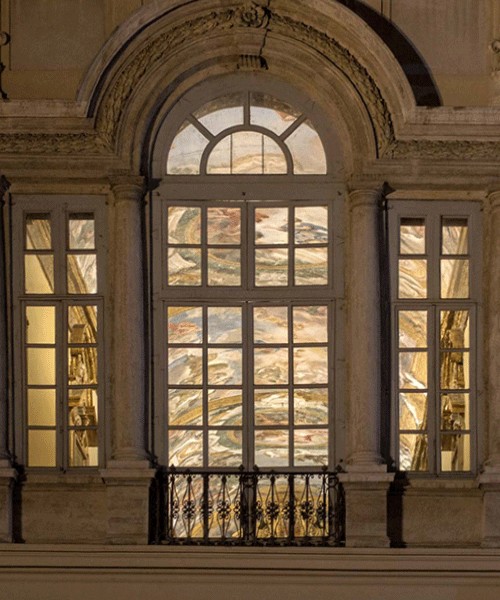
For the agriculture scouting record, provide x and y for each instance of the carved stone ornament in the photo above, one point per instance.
(253, 15)
(4, 38)
(445, 150)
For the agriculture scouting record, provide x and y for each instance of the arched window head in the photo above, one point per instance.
(246, 133)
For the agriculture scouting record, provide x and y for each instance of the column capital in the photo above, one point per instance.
(4, 186)
(369, 197)
(494, 200)
(126, 186)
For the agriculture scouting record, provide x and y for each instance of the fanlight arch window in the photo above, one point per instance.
(247, 133)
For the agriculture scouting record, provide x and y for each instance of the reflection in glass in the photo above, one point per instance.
(247, 152)
(271, 113)
(412, 328)
(41, 448)
(455, 332)
(271, 407)
(270, 366)
(454, 411)
(41, 366)
(185, 407)
(219, 161)
(311, 224)
(454, 370)
(83, 451)
(186, 150)
(270, 325)
(412, 236)
(185, 324)
(271, 225)
(271, 448)
(224, 324)
(311, 266)
(224, 407)
(310, 406)
(307, 150)
(42, 407)
(184, 266)
(310, 365)
(82, 366)
(224, 366)
(82, 407)
(82, 273)
(310, 447)
(310, 324)
(224, 225)
(271, 267)
(81, 232)
(185, 366)
(413, 370)
(455, 452)
(454, 278)
(185, 448)
(82, 324)
(38, 232)
(224, 267)
(39, 274)
(225, 448)
(413, 452)
(221, 113)
(40, 324)
(412, 410)
(412, 278)
(454, 235)
(184, 225)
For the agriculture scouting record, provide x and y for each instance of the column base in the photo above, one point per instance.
(489, 482)
(366, 506)
(8, 477)
(129, 504)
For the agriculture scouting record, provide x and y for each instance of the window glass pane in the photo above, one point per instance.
(40, 324)
(270, 324)
(455, 411)
(82, 407)
(455, 452)
(224, 407)
(224, 267)
(455, 331)
(413, 452)
(311, 266)
(39, 274)
(41, 448)
(271, 267)
(271, 113)
(82, 366)
(310, 447)
(454, 370)
(412, 236)
(185, 324)
(307, 150)
(454, 235)
(38, 232)
(271, 407)
(224, 324)
(42, 407)
(82, 274)
(185, 366)
(274, 160)
(310, 406)
(185, 407)
(413, 370)
(224, 366)
(185, 448)
(310, 365)
(81, 232)
(184, 225)
(412, 410)
(41, 366)
(83, 449)
(310, 324)
(221, 113)
(454, 278)
(224, 225)
(184, 266)
(412, 328)
(311, 224)
(186, 150)
(412, 278)
(247, 152)
(271, 225)
(270, 366)
(225, 448)
(82, 324)
(219, 161)
(271, 448)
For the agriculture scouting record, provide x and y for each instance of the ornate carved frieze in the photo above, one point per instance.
(52, 143)
(445, 150)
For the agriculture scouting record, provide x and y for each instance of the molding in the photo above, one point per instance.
(445, 150)
(53, 143)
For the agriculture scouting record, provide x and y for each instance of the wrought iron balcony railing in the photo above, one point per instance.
(254, 508)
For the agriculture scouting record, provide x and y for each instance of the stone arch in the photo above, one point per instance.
(323, 50)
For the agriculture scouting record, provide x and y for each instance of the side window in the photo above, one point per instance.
(60, 328)
(435, 298)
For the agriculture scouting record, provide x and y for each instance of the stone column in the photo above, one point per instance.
(366, 481)
(7, 473)
(128, 475)
(490, 477)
